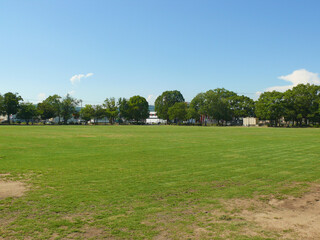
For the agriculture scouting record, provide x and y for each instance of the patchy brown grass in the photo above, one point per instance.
(263, 216)
(12, 189)
(292, 217)
(88, 232)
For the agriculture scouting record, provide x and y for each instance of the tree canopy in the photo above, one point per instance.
(27, 112)
(112, 111)
(270, 106)
(11, 103)
(68, 107)
(295, 107)
(139, 108)
(166, 100)
(87, 112)
(178, 112)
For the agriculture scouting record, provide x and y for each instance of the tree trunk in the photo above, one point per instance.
(8, 116)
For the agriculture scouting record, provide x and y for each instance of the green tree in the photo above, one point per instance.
(224, 93)
(290, 113)
(197, 103)
(2, 111)
(192, 113)
(196, 108)
(178, 112)
(124, 109)
(270, 106)
(51, 107)
(99, 113)
(139, 108)
(11, 104)
(46, 110)
(28, 112)
(242, 106)
(56, 102)
(217, 105)
(87, 112)
(112, 111)
(68, 107)
(305, 102)
(166, 100)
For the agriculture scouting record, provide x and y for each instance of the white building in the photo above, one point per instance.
(250, 121)
(3, 117)
(153, 119)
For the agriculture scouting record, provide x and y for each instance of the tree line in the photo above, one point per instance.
(296, 107)
(135, 109)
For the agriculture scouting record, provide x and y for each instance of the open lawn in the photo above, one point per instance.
(159, 182)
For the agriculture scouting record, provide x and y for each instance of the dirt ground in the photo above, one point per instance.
(11, 188)
(292, 218)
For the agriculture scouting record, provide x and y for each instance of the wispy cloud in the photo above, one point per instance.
(78, 77)
(72, 92)
(301, 76)
(41, 97)
(258, 94)
(151, 99)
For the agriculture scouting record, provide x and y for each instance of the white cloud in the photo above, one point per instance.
(301, 76)
(258, 93)
(77, 77)
(41, 97)
(150, 99)
(72, 92)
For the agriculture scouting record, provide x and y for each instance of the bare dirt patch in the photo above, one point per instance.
(4, 174)
(86, 136)
(263, 216)
(293, 217)
(11, 189)
(89, 232)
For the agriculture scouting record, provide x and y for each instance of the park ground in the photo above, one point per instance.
(159, 182)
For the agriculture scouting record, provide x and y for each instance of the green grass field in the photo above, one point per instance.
(144, 182)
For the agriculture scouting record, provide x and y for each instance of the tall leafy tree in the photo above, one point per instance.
(139, 108)
(87, 112)
(68, 107)
(290, 112)
(196, 107)
(271, 106)
(192, 113)
(56, 102)
(2, 111)
(112, 111)
(99, 113)
(46, 110)
(217, 105)
(197, 103)
(305, 101)
(166, 100)
(28, 112)
(178, 112)
(224, 93)
(51, 107)
(242, 106)
(11, 103)
(124, 109)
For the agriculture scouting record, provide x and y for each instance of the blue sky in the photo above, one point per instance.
(125, 48)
